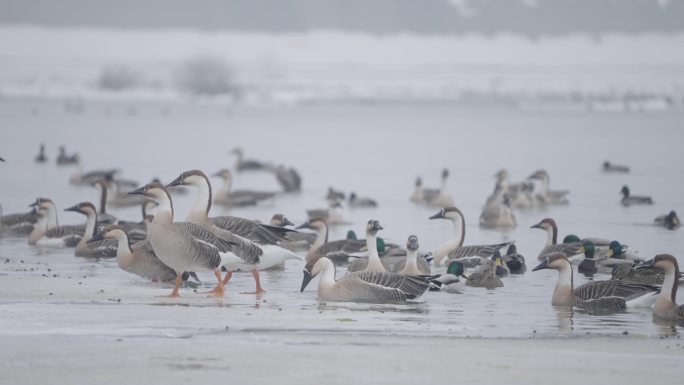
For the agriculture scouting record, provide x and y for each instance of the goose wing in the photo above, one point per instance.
(105, 248)
(203, 246)
(484, 251)
(148, 265)
(602, 305)
(245, 249)
(255, 232)
(391, 287)
(600, 289)
(18, 220)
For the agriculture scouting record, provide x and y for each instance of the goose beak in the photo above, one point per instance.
(176, 182)
(305, 281)
(139, 191)
(543, 265)
(437, 216)
(287, 222)
(646, 265)
(377, 226)
(537, 226)
(73, 208)
(97, 237)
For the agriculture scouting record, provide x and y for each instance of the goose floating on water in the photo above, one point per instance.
(48, 232)
(373, 262)
(442, 199)
(498, 215)
(552, 246)
(596, 296)
(102, 249)
(629, 200)
(242, 164)
(616, 168)
(545, 195)
(63, 158)
(338, 251)
(238, 198)
(413, 264)
(627, 273)
(18, 224)
(666, 306)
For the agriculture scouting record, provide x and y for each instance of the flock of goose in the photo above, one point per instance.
(163, 248)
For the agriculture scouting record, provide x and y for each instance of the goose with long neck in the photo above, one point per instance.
(254, 256)
(373, 263)
(48, 232)
(138, 258)
(103, 249)
(552, 246)
(545, 195)
(362, 286)
(443, 199)
(226, 196)
(184, 246)
(413, 264)
(102, 216)
(596, 296)
(666, 305)
(337, 251)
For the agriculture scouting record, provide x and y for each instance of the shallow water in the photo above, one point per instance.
(375, 151)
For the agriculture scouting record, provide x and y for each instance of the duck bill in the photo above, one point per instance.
(542, 266)
(437, 216)
(610, 253)
(305, 281)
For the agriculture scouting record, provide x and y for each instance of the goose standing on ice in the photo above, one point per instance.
(454, 248)
(184, 246)
(48, 232)
(373, 262)
(255, 255)
(224, 196)
(413, 264)
(552, 246)
(670, 221)
(596, 296)
(102, 249)
(442, 199)
(629, 200)
(666, 305)
(545, 195)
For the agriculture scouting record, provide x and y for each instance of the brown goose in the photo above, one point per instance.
(552, 246)
(337, 251)
(102, 249)
(666, 305)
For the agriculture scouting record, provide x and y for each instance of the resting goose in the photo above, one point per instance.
(18, 224)
(514, 261)
(626, 273)
(629, 200)
(361, 202)
(442, 199)
(338, 251)
(610, 167)
(362, 286)
(454, 248)
(225, 196)
(254, 255)
(552, 246)
(138, 258)
(670, 221)
(248, 164)
(666, 305)
(373, 262)
(184, 246)
(413, 264)
(41, 158)
(596, 296)
(546, 196)
(102, 249)
(48, 232)
(63, 158)
(451, 281)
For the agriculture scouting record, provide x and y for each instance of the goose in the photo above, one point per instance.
(18, 224)
(138, 258)
(116, 198)
(626, 273)
(360, 202)
(41, 157)
(588, 264)
(63, 158)
(338, 251)
(451, 281)
(610, 167)
(373, 262)
(48, 232)
(596, 296)
(514, 261)
(413, 264)
(255, 255)
(332, 215)
(102, 216)
(184, 246)
(498, 216)
(670, 221)
(454, 248)
(225, 196)
(500, 268)
(519, 193)
(288, 178)
(442, 199)
(248, 164)
(299, 241)
(546, 196)
(549, 225)
(102, 249)
(418, 195)
(362, 286)
(89, 178)
(485, 276)
(628, 200)
(666, 305)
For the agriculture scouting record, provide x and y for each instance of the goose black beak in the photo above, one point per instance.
(73, 208)
(543, 265)
(139, 191)
(176, 182)
(97, 237)
(287, 222)
(437, 216)
(537, 226)
(305, 281)
(646, 265)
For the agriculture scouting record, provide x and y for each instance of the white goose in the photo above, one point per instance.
(443, 199)
(373, 262)
(48, 232)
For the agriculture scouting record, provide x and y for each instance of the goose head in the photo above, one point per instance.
(554, 261)
(541, 175)
(412, 243)
(43, 203)
(373, 227)
(614, 249)
(312, 269)
(624, 191)
(316, 224)
(456, 268)
(451, 213)
(546, 224)
(85, 208)
(110, 232)
(663, 262)
(445, 174)
(280, 220)
(189, 178)
(501, 174)
(155, 191)
(418, 182)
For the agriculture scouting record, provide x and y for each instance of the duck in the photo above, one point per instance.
(442, 199)
(454, 248)
(617, 251)
(238, 198)
(63, 158)
(102, 249)
(514, 261)
(670, 221)
(413, 264)
(332, 215)
(588, 264)
(498, 215)
(361, 202)
(242, 164)
(629, 200)
(627, 273)
(552, 246)
(254, 252)
(138, 258)
(451, 281)
(362, 286)
(102, 216)
(373, 262)
(300, 241)
(500, 268)
(184, 246)
(335, 195)
(545, 195)
(485, 276)
(666, 307)
(41, 157)
(597, 296)
(18, 224)
(610, 167)
(48, 232)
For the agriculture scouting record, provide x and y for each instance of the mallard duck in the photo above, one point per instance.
(610, 167)
(670, 221)
(628, 199)
(451, 281)
(514, 261)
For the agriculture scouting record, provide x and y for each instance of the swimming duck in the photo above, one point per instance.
(41, 157)
(102, 249)
(450, 282)
(670, 221)
(568, 248)
(362, 286)
(546, 196)
(514, 261)
(610, 167)
(616, 250)
(666, 305)
(413, 264)
(358, 202)
(63, 158)
(596, 296)
(485, 276)
(628, 200)
(237, 198)
(588, 264)
(500, 268)
(373, 262)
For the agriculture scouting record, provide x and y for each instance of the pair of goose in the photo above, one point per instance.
(523, 194)
(433, 197)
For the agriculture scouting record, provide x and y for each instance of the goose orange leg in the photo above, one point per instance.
(218, 290)
(259, 289)
(174, 293)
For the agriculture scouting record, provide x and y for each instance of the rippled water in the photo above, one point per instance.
(373, 150)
